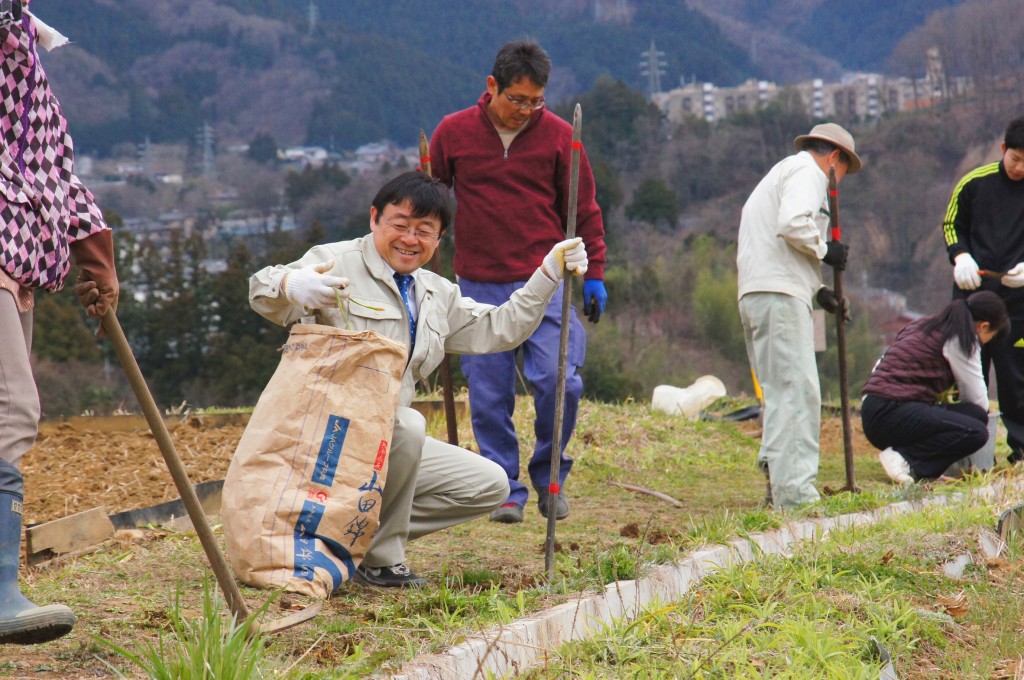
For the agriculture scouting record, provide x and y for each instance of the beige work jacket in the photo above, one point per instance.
(446, 321)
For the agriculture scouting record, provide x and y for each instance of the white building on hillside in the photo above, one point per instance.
(858, 97)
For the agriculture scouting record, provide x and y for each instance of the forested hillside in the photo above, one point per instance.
(792, 40)
(363, 70)
(861, 34)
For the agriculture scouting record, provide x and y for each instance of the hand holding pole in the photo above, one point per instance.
(837, 287)
(446, 363)
(563, 350)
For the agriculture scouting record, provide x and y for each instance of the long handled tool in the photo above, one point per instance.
(446, 364)
(163, 439)
(188, 494)
(837, 283)
(563, 349)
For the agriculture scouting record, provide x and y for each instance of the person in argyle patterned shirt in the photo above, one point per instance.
(47, 220)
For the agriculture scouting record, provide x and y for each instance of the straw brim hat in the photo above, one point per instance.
(834, 134)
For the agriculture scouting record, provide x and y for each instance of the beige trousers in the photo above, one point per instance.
(431, 485)
(780, 345)
(19, 399)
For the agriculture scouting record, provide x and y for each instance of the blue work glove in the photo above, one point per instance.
(595, 297)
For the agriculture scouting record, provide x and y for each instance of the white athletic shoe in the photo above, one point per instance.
(896, 466)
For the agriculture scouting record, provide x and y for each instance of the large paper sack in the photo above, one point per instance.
(302, 496)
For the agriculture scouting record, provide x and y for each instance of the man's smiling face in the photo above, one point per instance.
(403, 241)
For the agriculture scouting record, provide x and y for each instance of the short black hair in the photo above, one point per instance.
(429, 197)
(1014, 138)
(521, 59)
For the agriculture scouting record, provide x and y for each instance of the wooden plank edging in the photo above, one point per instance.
(69, 534)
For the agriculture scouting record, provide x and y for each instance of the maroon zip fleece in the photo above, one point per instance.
(513, 207)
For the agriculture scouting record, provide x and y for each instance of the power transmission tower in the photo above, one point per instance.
(142, 152)
(652, 65)
(206, 138)
(314, 15)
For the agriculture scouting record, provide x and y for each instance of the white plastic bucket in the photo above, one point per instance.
(981, 460)
(688, 401)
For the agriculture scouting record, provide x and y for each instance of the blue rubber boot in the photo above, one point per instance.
(21, 622)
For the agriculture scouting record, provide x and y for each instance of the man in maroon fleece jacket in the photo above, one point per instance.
(508, 161)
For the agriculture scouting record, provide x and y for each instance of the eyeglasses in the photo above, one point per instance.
(523, 104)
(405, 229)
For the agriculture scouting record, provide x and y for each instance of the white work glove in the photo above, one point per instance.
(965, 272)
(312, 289)
(571, 255)
(1015, 277)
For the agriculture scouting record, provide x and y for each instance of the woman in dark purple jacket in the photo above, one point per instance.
(903, 411)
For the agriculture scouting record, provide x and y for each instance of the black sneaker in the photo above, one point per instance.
(395, 576)
(561, 503)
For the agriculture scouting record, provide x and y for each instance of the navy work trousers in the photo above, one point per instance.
(492, 390)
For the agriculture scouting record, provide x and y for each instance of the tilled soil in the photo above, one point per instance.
(83, 464)
(80, 466)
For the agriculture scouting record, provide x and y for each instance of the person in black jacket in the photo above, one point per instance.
(903, 411)
(984, 234)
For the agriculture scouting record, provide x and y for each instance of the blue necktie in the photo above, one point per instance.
(404, 281)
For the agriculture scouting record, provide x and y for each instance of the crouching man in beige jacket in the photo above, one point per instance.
(376, 283)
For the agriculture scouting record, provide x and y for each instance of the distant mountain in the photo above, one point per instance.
(861, 34)
(340, 73)
(792, 40)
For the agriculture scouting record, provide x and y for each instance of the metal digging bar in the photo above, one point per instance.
(563, 349)
(844, 386)
(225, 578)
(446, 363)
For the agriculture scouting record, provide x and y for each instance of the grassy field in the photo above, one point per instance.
(810, 616)
(832, 609)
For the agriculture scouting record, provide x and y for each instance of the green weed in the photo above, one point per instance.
(814, 614)
(207, 648)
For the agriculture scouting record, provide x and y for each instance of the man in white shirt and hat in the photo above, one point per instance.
(781, 247)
